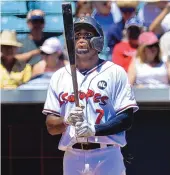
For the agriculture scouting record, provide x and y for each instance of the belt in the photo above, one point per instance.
(88, 146)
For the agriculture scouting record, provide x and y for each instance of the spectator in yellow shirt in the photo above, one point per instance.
(12, 72)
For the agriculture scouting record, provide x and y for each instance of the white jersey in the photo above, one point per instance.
(104, 91)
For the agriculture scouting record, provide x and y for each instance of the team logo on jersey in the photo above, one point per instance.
(90, 94)
(102, 84)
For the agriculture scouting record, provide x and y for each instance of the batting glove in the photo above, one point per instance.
(84, 129)
(75, 115)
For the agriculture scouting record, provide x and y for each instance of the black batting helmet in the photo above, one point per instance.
(97, 42)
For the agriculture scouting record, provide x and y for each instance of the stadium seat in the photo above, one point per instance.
(20, 36)
(49, 7)
(14, 23)
(54, 23)
(13, 7)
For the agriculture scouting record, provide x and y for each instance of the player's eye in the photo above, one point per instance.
(87, 35)
(77, 36)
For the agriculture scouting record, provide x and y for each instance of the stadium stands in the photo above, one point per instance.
(49, 7)
(14, 23)
(13, 7)
(54, 23)
(13, 15)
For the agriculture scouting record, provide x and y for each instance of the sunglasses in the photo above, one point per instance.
(127, 10)
(34, 21)
(153, 45)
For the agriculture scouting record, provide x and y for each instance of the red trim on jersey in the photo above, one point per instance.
(48, 111)
(126, 107)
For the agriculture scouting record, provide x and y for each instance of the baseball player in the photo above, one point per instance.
(93, 133)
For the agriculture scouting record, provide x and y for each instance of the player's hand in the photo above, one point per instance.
(76, 115)
(84, 129)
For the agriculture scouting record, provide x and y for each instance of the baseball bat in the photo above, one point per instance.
(70, 43)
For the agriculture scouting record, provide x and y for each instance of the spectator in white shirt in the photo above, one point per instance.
(148, 69)
(53, 59)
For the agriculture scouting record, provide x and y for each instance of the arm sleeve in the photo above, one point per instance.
(121, 122)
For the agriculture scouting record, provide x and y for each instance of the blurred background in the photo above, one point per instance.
(137, 37)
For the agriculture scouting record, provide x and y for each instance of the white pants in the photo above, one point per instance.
(102, 161)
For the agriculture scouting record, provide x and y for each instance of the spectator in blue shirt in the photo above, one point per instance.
(106, 13)
(30, 51)
(115, 32)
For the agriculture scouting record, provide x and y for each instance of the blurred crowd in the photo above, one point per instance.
(137, 37)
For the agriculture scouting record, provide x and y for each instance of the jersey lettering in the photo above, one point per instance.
(100, 116)
(97, 97)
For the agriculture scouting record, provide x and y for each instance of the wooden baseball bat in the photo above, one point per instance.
(70, 42)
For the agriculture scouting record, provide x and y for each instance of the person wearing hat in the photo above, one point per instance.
(12, 72)
(53, 58)
(124, 51)
(147, 69)
(115, 32)
(30, 51)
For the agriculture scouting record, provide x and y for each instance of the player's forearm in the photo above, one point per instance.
(55, 125)
(121, 122)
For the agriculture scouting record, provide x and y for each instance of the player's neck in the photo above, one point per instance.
(87, 63)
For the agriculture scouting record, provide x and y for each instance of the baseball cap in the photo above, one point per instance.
(148, 38)
(134, 21)
(127, 4)
(35, 15)
(51, 45)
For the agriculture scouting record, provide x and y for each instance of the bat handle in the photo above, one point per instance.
(75, 85)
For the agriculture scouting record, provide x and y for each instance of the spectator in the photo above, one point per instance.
(150, 11)
(106, 13)
(30, 51)
(12, 72)
(84, 8)
(124, 51)
(53, 59)
(148, 69)
(165, 46)
(161, 23)
(128, 10)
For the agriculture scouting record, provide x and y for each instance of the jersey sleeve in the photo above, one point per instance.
(124, 95)
(52, 105)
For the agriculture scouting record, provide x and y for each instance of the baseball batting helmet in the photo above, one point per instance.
(96, 42)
